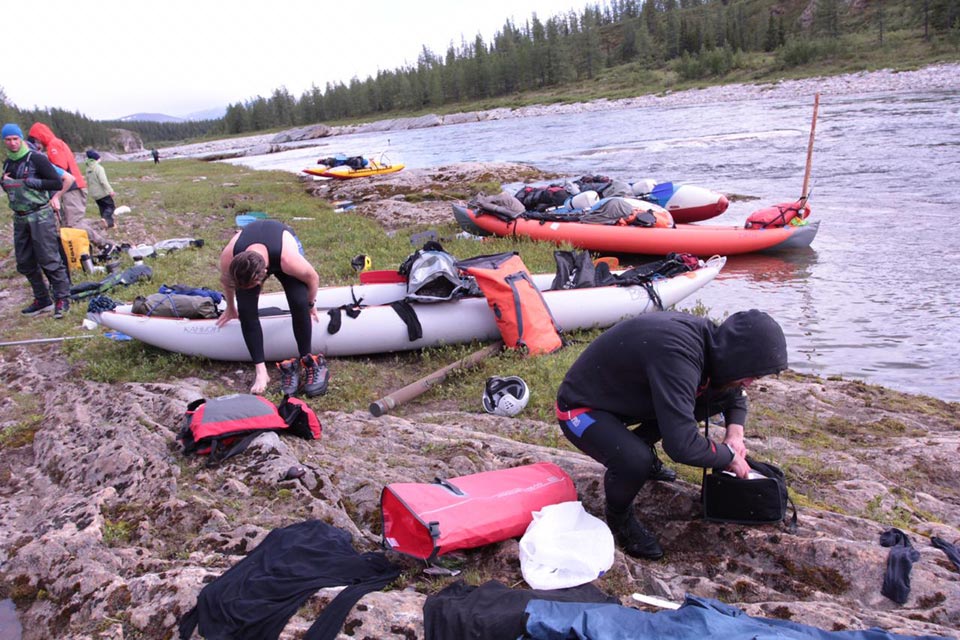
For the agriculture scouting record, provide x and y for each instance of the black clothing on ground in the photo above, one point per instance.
(270, 234)
(950, 549)
(491, 611)
(896, 579)
(255, 598)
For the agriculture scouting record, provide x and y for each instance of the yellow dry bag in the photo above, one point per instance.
(75, 244)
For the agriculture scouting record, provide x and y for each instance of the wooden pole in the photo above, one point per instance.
(46, 340)
(424, 384)
(813, 128)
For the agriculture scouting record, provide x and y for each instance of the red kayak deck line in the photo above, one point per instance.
(700, 240)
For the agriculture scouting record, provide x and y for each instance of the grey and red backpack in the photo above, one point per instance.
(223, 427)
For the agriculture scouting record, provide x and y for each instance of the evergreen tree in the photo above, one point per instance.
(540, 53)
(281, 107)
(671, 30)
(651, 19)
(560, 64)
(628, 42)
(827, 18)
(588, 59)
(771, 38)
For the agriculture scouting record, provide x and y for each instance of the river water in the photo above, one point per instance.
(875, 298)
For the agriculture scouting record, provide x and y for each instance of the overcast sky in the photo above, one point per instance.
(111, 58)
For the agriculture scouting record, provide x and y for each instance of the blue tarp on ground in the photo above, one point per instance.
(696, 619)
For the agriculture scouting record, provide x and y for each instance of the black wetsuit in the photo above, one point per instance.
(270, 234)
(662, 371)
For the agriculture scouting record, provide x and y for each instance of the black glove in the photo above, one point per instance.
(33, 183)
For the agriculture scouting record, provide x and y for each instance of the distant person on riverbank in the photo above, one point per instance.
(156, 156)
(664, 372)
(99, 187)
(259, 250)
(34, 189)
(74, 205)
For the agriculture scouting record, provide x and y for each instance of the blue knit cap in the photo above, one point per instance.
(11, 129)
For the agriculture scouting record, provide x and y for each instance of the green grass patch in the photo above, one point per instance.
(22, 432)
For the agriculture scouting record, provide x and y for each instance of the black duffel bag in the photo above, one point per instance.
(758, 500)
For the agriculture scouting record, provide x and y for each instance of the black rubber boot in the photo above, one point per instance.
(660, 472)
(633, 537)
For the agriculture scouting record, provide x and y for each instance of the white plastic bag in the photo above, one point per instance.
(564, 547)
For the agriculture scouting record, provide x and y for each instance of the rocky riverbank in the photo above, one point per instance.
(945, 77)
(107, 531)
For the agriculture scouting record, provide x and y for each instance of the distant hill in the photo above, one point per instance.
(150, 117)
(207, 114)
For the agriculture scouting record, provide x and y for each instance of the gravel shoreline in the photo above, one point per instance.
(939, 77)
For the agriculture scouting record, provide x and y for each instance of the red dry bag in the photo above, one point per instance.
(426, 520)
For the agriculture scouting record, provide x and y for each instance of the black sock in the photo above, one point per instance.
(950, 549)
(896, 580)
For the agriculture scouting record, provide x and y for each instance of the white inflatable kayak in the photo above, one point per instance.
(378, 328)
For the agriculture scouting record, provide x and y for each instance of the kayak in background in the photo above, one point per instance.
(342, 167)
(685, 202)
(625, 236)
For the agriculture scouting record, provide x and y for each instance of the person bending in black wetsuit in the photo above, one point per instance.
(663, 372)
(261, 249)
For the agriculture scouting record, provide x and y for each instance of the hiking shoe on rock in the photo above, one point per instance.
(61, 308)
(662, 473)
(37, 307)
(315, 375)
(289, 376)
(633, 537)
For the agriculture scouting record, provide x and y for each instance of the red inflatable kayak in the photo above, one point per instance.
(700, 240)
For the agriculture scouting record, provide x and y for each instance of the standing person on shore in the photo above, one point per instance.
(99, 187)
(156, 156)
(664, 372)
(74, 205)
(259, 250)
(28, 180)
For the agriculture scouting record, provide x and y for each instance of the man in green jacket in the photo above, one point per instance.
(99, 187)
(34, 189)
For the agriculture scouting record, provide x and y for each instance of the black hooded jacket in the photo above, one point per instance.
(667, 368)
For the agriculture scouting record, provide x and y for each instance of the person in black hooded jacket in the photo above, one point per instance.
(663, 372)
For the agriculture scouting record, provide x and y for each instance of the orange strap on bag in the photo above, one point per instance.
(524, 320)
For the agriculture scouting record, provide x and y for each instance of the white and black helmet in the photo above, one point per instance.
(505, 396)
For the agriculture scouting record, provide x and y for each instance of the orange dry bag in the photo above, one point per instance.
(523, 318)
